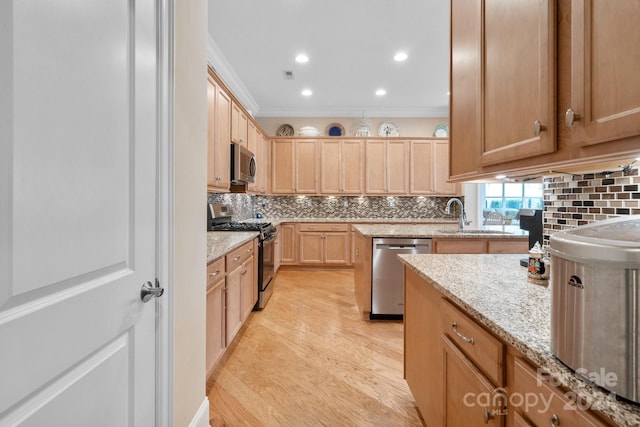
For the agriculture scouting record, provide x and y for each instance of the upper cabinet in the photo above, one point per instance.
(218, 136)
(605, 62)
(429, 169)
(294, 169)
(341, 166)
(239, 123)
(542, 83)
(386, 166)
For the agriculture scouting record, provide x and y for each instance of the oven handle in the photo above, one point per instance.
(270, 238)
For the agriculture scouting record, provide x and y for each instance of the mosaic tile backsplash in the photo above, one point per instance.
(574, 200)
(245, 206)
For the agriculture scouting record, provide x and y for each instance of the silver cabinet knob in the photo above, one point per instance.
(487, 415)
(570, 117)
(149, 291)
(555, 420)
(538, 127)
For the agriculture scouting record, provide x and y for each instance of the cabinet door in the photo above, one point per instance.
(311, 247)
(212, 89)
(306, 167)
(441, 170)
(336, 248)
(288, 243)
(605, 88)
(248, 286)
(422, 165)
(469, 398)
(222, 132)
(351, 167)
(215, 341)
(239, 123)
(331, 166)
(397, 169)
(375, 167)
(519, 80)
(233, 300)
(283, 160)
(277, 253)
(422, 348)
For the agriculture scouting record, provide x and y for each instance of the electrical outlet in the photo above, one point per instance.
(345, 204)
(392, 203)
(309, 203)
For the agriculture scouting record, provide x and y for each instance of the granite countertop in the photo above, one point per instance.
(493, 289)
(439, 230)
(221, 242)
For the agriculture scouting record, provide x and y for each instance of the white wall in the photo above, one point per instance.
(190, 189)
(416, 126)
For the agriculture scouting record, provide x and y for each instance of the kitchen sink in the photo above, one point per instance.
(470, 231)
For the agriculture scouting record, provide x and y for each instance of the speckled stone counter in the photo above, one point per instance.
(221, 242)
(493, 289)
(437, 230)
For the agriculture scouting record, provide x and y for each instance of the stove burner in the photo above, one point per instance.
(265, 228)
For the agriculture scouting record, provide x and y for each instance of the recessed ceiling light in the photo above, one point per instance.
(302, 58)
(307, 92)
(381, 92)
(400, 56)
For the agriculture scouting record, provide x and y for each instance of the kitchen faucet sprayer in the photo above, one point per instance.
(463, 214)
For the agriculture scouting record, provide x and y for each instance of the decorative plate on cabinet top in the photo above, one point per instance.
(388, 129)
(441, 131)
(335, 129)
(285, 130)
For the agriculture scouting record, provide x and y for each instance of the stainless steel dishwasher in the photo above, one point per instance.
(387, 275)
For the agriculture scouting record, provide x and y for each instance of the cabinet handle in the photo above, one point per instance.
(555, 420)
(244, 272)
(215, 273)
(248, 250)
(538, 127)
(235, 258)
(570, 117)
(471, 341)
(487, 415)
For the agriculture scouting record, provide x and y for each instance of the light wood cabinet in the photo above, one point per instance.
(215, 327)
(564, 63)
(277, 252)
(481, 246)
(341, 165)
(324, 243)
(605, 88)
(288, 235)
(387, 166)
(233, 304)
(294, 166)
(239, 123)
(218, 136)
(429, 168)
(248, 288)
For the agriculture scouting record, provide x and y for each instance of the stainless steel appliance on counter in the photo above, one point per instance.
(387, 276)
(595, 303)
(219, 219)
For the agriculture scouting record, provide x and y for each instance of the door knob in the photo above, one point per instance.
(538, 127)
(149, 291)
(570, 117)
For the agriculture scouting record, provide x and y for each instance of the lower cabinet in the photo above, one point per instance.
(231, 295)
(481, 246)
(288, 238)
(324, 243)
(460, 374)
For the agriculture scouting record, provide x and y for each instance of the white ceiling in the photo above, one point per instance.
(350, 43)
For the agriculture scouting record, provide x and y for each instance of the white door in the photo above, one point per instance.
(77, 212)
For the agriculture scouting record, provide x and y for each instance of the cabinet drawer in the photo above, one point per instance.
(239, 255)
(323, 227)
(215, 271)
(561, 408)
(460, 246)
(482, 348)
(508, 246)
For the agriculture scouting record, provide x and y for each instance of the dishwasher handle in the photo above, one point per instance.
(401, 247)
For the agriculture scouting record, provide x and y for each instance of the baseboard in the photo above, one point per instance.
(201, 419)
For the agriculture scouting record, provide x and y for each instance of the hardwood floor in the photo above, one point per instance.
(308, 359)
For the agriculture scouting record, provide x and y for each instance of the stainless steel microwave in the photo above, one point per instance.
(243, 165)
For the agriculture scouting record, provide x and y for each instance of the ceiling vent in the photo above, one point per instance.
(288, 75)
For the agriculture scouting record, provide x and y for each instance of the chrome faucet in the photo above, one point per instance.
(463, 214)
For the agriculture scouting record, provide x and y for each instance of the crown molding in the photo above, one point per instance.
(400, 112)
(224, 70)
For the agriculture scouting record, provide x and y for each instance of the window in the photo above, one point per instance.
(508, 198)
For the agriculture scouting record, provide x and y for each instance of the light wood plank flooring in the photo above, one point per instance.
(308, 359)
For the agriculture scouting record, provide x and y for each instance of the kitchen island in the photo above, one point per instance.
(444, 238)
(492, 293)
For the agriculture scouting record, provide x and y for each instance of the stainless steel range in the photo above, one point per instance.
(219, 219)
